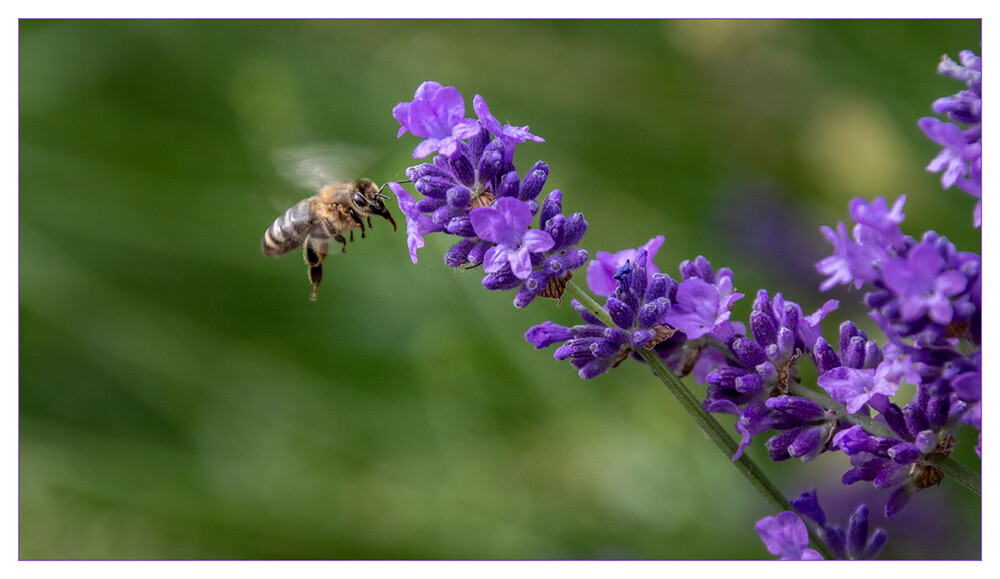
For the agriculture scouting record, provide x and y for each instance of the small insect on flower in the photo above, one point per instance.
(337, 210)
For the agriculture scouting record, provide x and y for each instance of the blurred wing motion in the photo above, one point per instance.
(320, 164)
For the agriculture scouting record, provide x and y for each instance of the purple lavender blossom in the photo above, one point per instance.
(806, 426)
(875, 236)
(787, 537)
(924, 285)
(961, 159)
(921, 430)
(930, 292)
(435, 113)
(954, 159)
(703, 300)
(759, 371)
(704, 310)
(637, 310)
(853, 387)
(946, 379)
(699, 307)
(554, 267)
(881, 224)
(851, 377)
(506, 225)
(839, 266)
(509, 135)
(921, 288)
(887, 462)
(967, 105)
(898, 365)
(808, 332)
(601, 272)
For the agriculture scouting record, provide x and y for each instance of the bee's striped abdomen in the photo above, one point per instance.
(289, 230)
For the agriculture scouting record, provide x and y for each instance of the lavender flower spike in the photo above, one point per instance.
(472, 190)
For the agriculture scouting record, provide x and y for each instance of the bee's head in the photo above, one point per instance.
(370, 200)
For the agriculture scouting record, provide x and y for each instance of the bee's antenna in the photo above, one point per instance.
(383, 196)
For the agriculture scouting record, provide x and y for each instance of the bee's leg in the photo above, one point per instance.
(369, 221)
(361, 224)
(340, 238)
(330, 231)
(314, 257)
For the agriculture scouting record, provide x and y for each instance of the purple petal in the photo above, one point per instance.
(938, 308)
(601, 272)
(405, 201)
(425, 147)
(495, 259)
(877, 213)
(849, 386)
(786, 536)
(809, 330)
(520, 262)
(401, 112)
(950, 283)
(925, 257)
(517, 212)
(465, 129)
(427, 90)
(695, 308)
(536, 240)
(416, 224)
(835, 266)
(488, 223)
(485, 117)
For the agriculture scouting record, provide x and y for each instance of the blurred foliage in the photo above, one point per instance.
(180, 397)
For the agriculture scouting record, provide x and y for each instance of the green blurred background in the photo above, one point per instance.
(180, 397)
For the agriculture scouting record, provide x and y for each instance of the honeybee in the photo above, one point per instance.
(337, 210)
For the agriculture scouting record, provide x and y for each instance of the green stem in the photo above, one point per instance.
(708, 424)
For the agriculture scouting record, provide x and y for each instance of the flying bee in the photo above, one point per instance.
(337, 210)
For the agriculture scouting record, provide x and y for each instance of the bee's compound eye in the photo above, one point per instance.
(360, 198)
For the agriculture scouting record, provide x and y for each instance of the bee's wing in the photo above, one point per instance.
(316, 166)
